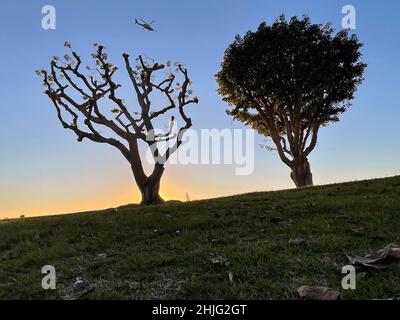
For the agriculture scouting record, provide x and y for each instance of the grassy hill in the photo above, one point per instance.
(164, 251)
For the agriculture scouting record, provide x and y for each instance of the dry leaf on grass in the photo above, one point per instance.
(101, 256)
(318, 293)
(395, 253)
(297, 241)
(214, 240)
(378, 259)
(221, 261)
(79, 281)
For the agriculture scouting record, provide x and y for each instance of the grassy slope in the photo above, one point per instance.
(147, 258)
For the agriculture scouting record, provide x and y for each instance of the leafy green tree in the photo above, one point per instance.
(288, 80)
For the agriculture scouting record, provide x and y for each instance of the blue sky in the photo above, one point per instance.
(44, 170)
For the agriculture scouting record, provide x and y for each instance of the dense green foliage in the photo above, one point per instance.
(302, 70)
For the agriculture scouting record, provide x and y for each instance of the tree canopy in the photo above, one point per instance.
(289, 79)
(88, 103)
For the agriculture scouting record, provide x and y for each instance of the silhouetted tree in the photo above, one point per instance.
(89, 104)
(289, 79)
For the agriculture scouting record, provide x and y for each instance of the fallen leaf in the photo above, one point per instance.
(79, 282)
(101, 256)
(87, 235)
(318, 293)
(221, 261)
(394, 253)
(296, 241)
(214, 240)
(377, 259)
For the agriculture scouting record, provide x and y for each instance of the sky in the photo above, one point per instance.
(43, 170)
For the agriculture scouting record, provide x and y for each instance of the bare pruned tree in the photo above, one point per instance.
(79, 102)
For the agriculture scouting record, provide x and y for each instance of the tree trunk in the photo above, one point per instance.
(149, 186)
(301, 174)
(151, 193)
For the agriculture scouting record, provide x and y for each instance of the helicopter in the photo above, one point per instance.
(145, 25)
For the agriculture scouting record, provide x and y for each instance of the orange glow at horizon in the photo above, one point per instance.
(126, 194)
(115, 188)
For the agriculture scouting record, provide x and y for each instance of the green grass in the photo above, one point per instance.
(148, 259)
